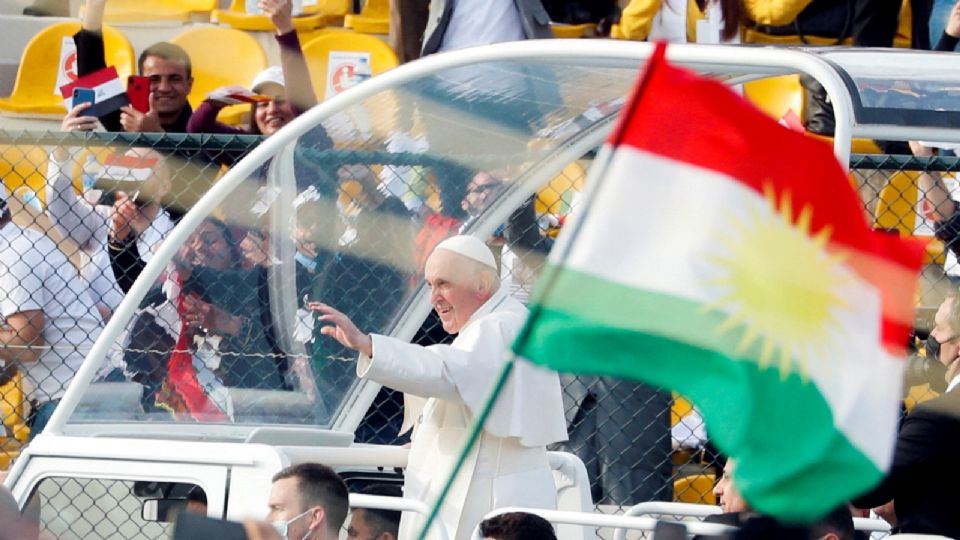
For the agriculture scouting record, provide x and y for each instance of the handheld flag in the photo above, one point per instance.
(724, 256)
(109, 91)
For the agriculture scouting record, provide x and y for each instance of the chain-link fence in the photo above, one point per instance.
(226, 333)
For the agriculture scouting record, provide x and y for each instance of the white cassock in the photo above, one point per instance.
(508, 467)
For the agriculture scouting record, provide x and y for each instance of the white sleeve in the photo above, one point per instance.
(529, 406)
(21, 282)
(73, 217)
(412, 369)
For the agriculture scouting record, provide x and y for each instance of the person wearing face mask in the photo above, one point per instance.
(308, 501)
(922, 479)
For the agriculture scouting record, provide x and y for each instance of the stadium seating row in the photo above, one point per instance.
(35, 89)
(312, 14)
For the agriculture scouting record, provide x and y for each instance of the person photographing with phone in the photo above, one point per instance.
(165, 67)
(121, 218)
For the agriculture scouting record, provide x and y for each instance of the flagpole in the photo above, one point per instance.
(471, 440)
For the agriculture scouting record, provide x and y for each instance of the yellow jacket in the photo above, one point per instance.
(637, 18)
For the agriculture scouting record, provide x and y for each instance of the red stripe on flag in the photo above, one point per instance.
(131, 162)
(703, 123)
(92, 80)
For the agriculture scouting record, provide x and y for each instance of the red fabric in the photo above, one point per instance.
(436, 228)
(680, 115)
(188, 396)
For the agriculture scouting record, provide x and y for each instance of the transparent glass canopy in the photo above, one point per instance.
(344, 205)
(900, 87)
(344, 213)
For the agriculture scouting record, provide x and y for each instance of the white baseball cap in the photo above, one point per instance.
(273, 74)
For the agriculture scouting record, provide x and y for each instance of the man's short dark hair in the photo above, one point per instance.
(319, 485)
(196, 494)
(381, 520)
(517, 526)
(838, 522)
(167, 51)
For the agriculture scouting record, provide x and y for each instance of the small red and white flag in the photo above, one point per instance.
(109, 91)
(126, 168)
(233, 95)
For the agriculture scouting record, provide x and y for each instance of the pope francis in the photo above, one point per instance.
(445, 387)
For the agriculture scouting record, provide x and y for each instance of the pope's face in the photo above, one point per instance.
(454, 289)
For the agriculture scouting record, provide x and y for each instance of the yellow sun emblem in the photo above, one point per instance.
(777, 281)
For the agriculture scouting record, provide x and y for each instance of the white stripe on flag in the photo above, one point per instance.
(662, 219)
(102, 92)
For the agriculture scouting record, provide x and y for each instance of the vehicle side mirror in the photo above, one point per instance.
(164, 510)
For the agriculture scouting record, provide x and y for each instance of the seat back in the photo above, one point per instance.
(35, 91)
(374, 18)
(317, 52)
(311, 15)
(695, 488)
(899, 207)
(333, 7)
(126, 11)
(776, 96)
(376, 9)
(211, 69)
(13, 408)
(307, 7)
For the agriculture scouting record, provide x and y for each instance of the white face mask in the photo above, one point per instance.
(282, 526)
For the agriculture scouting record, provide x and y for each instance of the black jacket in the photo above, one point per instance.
(924, 477)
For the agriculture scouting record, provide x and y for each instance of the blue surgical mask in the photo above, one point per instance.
(307, 262)
(282, 526)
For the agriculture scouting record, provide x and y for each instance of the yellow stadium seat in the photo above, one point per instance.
(556, 198)
(127, 11)
(334, 10)
(317, 52)
(776, 95)
(13, 410)
(317, 15)
(567, 31)
(696, 488)
(34, 90)
(23, 165)
(897, 209)
(374, 18)
(679, 407)
(211, 71)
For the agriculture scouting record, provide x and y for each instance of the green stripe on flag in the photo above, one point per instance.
(780, 426)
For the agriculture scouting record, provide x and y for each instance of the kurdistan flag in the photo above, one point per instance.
(723, 256)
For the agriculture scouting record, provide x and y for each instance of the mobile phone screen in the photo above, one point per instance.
(84, 95)
(138, 90)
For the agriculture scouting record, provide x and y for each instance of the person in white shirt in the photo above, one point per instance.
(456, 24)
(49, 321)
(134, 218)
(446, 386)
